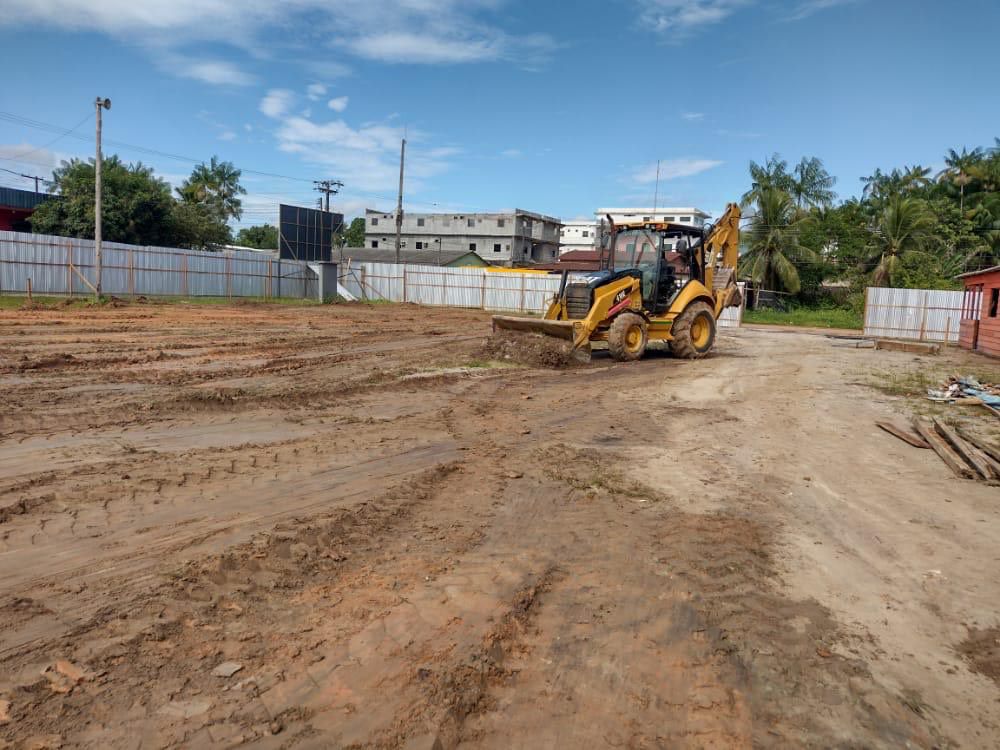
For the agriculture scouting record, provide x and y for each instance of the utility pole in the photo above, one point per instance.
(399, 202)
(100, 104)
(328, 187)
(656, 194)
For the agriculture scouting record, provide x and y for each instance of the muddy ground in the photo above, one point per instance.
(344, 527)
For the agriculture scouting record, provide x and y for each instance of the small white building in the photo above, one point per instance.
(676, 215)
(578, 234)
(685, 215)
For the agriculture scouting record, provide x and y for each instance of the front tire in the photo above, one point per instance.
(627, 337)
(693, 332)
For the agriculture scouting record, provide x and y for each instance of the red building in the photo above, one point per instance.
(980, 326)
(16, 206)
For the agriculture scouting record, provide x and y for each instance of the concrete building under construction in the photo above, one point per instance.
(511, 238)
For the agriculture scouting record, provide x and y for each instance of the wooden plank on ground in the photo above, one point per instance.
(984, 455)
(905, 435)
(916, 347)
(990, 450)
(963, 449)
(951, 459)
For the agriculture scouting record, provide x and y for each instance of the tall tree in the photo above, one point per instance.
(956, 171)
(216, 185)
(772, 174)
(904, 227)
(355, 234)
(136, 205)
(263, 237)
(915, 178)
(812, 185)
(773, 243)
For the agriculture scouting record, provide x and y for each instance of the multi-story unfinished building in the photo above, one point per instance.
(512, 238)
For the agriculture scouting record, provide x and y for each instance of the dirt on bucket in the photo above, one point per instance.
(533, 349)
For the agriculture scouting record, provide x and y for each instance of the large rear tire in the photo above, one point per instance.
(627, 337)
(693, 332)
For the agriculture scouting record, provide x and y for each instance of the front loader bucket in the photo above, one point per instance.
(532, 347)
(560, 329)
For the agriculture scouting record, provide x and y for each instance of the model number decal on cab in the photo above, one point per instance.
(620, 297)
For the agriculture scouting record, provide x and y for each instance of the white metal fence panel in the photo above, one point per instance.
(921, 314)
(466, 287)
(732, 317)
(65, 265)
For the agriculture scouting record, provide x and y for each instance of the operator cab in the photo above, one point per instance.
(665, 255)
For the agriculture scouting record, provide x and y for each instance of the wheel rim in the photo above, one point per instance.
(701, 332)
(633, 339)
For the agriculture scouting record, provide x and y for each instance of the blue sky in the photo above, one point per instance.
(554, 107)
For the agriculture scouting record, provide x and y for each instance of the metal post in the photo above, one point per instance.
(399, 200)
(100, 104)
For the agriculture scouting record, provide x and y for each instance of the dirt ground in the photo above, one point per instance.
(341, 526)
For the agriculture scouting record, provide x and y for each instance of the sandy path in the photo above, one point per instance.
(724, 553)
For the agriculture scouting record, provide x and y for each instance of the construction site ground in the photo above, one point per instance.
(342, 526)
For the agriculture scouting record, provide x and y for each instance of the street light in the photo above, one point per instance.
(99, 104)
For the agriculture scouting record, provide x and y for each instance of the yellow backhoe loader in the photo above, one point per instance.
(659, 281)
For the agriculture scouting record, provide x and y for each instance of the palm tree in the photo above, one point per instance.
(915, 177)
(772, 174)
(812, 184)
(773, 242)
(875, 184)
(903, 227)
(957, 170)
(216, 184)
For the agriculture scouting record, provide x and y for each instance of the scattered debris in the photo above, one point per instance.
(916, 347)
(4, 711)
(967, 390)
(227, 669)
(915, 440)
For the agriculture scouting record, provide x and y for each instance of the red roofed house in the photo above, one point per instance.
(979, 329)
(16, 206)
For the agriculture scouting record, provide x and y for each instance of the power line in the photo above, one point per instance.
(54, 140)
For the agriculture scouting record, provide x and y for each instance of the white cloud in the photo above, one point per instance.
(683, 17)
(216, 72)
(364, 157)
(807, 8)
(315, 91)
(406, 47)
(338, 103)
(227, 135)
(396, 31)
(672, 169)
(277, 102)
(511, 153)
(31, 160)
(693, 116)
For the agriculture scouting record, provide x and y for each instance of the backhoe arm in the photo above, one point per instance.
(722, 252)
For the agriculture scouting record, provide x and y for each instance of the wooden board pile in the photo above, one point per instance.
(968, 455)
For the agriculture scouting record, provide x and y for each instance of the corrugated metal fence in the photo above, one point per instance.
(921, 314)
(463, 287)
(64, 265)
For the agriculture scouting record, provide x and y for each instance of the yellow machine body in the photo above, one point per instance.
(687, 317)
